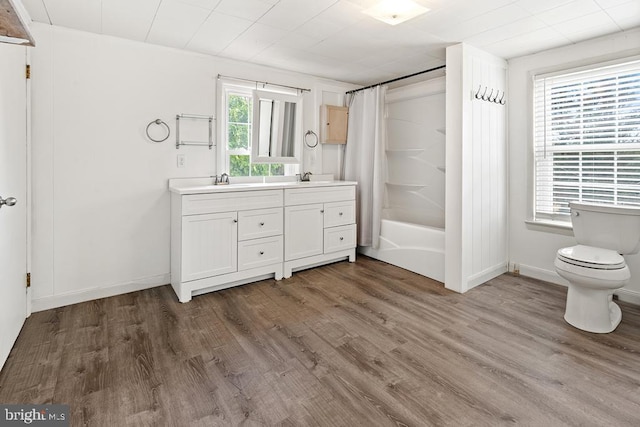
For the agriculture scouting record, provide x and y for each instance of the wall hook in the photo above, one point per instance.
(495, 97)
(502, 100)
(478, 92)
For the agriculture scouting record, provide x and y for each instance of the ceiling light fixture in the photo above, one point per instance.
(394, 12)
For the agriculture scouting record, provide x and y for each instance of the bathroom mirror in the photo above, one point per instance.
(277, 128)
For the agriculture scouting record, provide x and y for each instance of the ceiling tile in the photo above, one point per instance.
(587, 26)
(454, 12)
(205, 4)
(37, 11)
(626, 15)
(176, 23)
(568, 11)
(217, 32)
(539, 6)
(246, 9)
(84, 15)
(508, 31)
(253, 41)
(128, 19)
(487, 21)
(607, 4)
(527, 43)
(290, 14)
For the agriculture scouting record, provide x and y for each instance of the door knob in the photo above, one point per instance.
(9, 201)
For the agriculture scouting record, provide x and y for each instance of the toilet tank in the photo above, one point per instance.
(606, 226)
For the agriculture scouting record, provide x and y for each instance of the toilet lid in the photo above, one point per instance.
(590, 257)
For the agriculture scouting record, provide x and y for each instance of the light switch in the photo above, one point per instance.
(182, 159)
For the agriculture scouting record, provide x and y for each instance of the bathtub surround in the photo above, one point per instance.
(412, 229)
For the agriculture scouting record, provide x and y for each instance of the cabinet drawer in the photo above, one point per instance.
(194, 204)
(259, 223)
(303, 196)
(339, 238)
(259, 252)
(339, 213)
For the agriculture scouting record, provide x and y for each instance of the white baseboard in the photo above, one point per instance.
(486, 275)
(54, 301)
(626, 295)
(542, 274)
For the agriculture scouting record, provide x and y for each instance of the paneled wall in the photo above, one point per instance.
(476, 170)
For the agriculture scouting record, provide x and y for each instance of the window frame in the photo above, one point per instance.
(563, 220)
(227, 88)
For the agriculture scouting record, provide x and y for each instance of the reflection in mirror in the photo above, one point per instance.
(277, 128)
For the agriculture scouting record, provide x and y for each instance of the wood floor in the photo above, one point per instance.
(347, 344)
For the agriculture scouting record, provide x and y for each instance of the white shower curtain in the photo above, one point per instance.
(364, 160)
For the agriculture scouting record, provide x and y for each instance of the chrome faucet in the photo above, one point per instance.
(223, 180)
(305, 176)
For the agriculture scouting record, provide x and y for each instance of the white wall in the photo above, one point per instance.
(100, 199)
(476, 170)
(534, 247)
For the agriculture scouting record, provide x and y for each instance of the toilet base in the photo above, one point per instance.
(592, 310)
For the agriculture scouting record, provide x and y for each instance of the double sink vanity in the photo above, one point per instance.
(228, 235)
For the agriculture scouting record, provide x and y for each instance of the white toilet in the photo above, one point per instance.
(595, 268)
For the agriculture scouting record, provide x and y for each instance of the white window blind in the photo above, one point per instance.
(587, 138)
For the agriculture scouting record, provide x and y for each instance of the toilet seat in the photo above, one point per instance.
(593, 258)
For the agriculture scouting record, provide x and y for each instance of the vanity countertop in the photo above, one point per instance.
(191, 188)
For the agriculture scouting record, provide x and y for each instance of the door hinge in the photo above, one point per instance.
(28, 71)
(28, 280)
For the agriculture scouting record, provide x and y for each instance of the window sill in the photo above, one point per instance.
(550, 226)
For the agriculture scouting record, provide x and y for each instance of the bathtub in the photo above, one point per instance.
(414, 247)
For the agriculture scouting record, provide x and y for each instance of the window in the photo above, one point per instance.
(238, 110)
(587, 138)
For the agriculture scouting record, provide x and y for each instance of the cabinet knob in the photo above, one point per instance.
(235, 220)
(342, 238)
(322, 211)
(261, 252)
(340, 213)
(262, 224)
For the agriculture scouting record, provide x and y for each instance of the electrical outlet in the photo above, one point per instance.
(182, 159)
(516, 269)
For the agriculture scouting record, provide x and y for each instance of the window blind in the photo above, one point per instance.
(587, 138)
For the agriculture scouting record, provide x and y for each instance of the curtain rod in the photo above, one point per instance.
(220, 76)
(396, 79)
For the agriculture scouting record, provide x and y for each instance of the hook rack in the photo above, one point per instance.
(496, 99)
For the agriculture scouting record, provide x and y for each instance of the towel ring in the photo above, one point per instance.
(158, 122)
(309, 142)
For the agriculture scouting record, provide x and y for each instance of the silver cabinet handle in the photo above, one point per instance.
(9, 201)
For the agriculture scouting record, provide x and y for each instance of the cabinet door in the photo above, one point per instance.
(303, 231)
(209, 245)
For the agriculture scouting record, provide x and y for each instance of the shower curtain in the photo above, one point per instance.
(364, 160)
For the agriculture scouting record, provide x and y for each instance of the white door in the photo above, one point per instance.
(13, 183)
(209, 245)
(303, 231)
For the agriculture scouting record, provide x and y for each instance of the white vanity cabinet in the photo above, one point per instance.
(319, 226)
(224, 236)
(219, 240)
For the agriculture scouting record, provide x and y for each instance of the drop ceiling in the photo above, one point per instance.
(333, 38)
